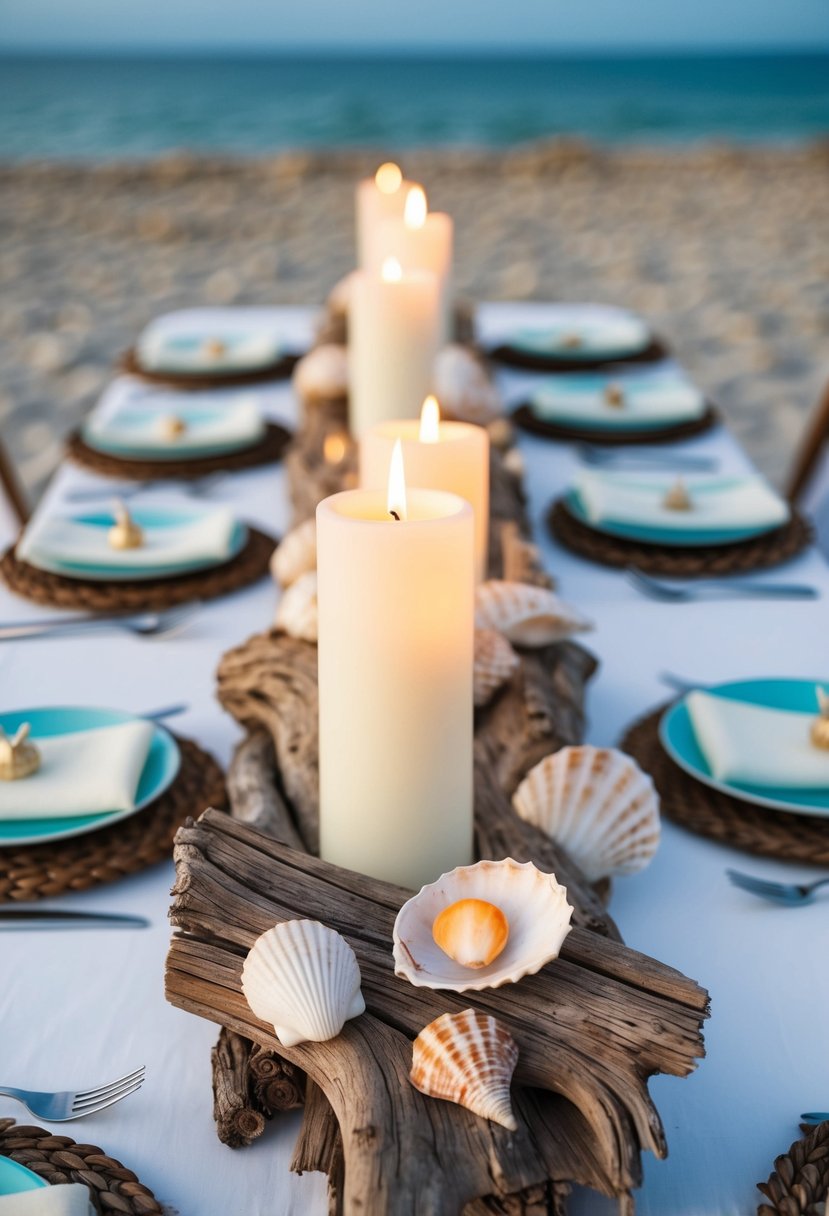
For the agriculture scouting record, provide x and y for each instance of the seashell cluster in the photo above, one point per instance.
(467, 1058)
(322, 374)
(820, 726)
(678, 498)
(463, 386)
(495, 664)
(125, 533)
(473, 932)
(598, 804)
(303, 978)
(296, 553)
(19, 757)
(526, 615)
(533, 905)
(297, 613)
(170, 427)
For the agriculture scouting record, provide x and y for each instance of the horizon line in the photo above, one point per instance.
(422, 51)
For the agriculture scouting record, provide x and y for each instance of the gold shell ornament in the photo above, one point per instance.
(614, 394)
(525, 614)
(125, 534)
(820, 726)
(473, 932)
(18, 756)
(171, 427)
(678, 498)
(495, 663)
(214, 348)
(467, 1058)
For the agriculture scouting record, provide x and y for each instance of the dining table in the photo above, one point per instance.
(77, 1008)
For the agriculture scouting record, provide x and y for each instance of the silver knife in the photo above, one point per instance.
(59, 918)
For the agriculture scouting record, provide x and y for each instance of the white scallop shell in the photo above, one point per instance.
(467, 1058)
(296, 553)
(463, 387)
(598, 804)
(525, 614)
(495, 663)
(323, 372)
(304, 979)
(535, 906)
(297, 613)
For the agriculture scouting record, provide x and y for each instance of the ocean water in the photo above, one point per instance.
(99, 108)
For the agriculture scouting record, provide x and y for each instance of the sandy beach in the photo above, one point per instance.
(726, 251)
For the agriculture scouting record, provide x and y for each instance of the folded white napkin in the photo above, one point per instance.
(207, 536)
(235, 424)
(83, 773)
(71, 1199)
(205, 340)
(718, 502)
(757, 746)
(658, 397)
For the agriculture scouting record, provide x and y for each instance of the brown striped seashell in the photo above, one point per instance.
(297, 612)
(526, 615)
(598, 804)
(296, 553)
(467, 1058)
(495, 664)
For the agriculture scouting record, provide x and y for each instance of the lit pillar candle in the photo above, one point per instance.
(379, 198)
(396, 617)
(393, 340)
(422, 240)
(438, 455)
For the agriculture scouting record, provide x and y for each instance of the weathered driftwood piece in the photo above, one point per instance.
(276, 1084)
(238, 1121)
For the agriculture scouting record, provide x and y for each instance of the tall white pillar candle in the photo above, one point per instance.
(393, 340)
(378, 199)
(422, 240)
(437, 455)
(396, 616)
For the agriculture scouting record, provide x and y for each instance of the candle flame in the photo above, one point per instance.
(392, 271)
(334, 449)
(396, 500)
(388, 178)
(414, 213)
(430, 421)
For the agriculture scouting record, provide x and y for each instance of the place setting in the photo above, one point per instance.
(691, 525)
(150, 434)
(574, 337)
(207, 348)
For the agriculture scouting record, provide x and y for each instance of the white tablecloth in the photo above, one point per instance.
(79, 1008)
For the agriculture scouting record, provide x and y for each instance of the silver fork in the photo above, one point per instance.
(683, 462)
(75, 1104)
(790, 894)
(144, 624)
(670, 593)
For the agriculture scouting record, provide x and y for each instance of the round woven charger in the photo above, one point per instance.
(700, 561)
(524, 418)
(800, 1179)
(59, 1159)
(40, 871)
(653, 353)
(708, 812)
(152, 595)
(267, 450)
(196, 381)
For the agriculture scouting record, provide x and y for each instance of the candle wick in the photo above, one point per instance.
(394, 515)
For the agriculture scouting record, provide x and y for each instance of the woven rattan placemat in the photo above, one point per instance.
(151, 595)
(678, 561)
(59, 1159)
(504, 353)
(40, 871)
(708, 812)
(268, 450)
(524, 418)
(800, 1180)
(196, 381)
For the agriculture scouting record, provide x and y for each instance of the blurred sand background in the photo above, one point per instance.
(726, 251)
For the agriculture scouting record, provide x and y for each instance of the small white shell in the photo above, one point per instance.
(598, 804)
(297, 613)
(533, 902)
(514, 462)
(304, 979)
(526, 615)
(463, 387)
(495, 663)
(296, 553)
(467, 1058)
(322, 373)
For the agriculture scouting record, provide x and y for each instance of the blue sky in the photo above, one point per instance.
(429, 24)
